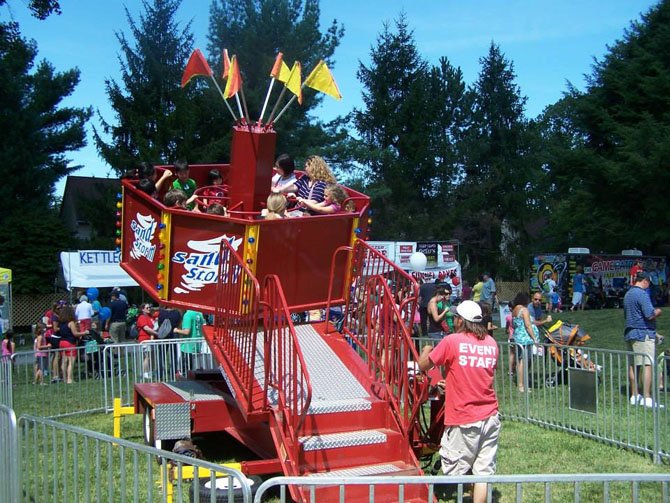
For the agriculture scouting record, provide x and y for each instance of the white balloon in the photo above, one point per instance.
(418, 261)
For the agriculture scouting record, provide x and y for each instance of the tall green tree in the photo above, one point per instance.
(156, 120)
(611, 145)
(38, 132)
(409, 127)
(495, 194)
(255, 31)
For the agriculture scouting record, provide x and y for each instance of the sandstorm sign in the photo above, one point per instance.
(198, 264)
(195, 261)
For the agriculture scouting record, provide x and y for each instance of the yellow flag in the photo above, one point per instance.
(294, 81)
(280, 70)
(234, 79)
(322, 80)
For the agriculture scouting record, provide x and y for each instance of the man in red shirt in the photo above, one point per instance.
(472, 425)
(637, 267)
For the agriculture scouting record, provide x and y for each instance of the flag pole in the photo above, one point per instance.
(244, 103)
(274, 109)
(218, 88)
(267, 98)
(239, 106)
(285, 107)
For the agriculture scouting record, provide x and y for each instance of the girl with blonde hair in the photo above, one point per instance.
(276, 206)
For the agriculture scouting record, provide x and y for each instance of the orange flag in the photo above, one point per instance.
(234, 79)
(294, 81)
(197, 66)
(280, 70)
(322, 80)
(226, 64)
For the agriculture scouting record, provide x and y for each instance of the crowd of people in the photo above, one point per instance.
(315, 193)
(77, 330)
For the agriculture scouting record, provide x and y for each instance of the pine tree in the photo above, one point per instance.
(495, 193)
(409, 127)
(255, 31)
(611, 145)
(156, 120)
(38, 132)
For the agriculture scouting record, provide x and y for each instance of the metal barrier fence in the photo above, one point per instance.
(584, 391)
(545, 487)
(124, 365)
(553, 401)
(9, 454)
(99, 376)
(60, 462)
(6, 383)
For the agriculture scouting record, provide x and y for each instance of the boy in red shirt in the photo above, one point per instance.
(472, 425)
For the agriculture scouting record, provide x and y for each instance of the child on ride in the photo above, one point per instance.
(215, 191)
(183, 182)
(334, 197)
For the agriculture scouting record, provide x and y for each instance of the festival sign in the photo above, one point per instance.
(195, 260)
(386, 248)
(403, 251)
(141, 222)
(429, 249)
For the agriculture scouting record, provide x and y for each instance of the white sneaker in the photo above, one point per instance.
(147, 375)
(649, 402)
(636, 399)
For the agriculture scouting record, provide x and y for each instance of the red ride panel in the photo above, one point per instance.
(194, 258)
(141, 219)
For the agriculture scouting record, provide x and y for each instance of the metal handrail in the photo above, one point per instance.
(236, 322)
(285, 368)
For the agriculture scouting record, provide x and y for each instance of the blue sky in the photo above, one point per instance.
(549, 42)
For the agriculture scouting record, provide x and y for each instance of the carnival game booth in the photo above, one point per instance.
(6, 306)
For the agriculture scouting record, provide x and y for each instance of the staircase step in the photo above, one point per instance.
(345, 439)
(368, 470)
(333, 406)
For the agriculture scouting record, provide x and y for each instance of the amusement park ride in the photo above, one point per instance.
(309, 399)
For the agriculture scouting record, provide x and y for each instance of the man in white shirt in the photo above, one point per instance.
(83, 313)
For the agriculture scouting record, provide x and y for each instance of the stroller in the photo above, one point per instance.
(93, 345)
(566, 340)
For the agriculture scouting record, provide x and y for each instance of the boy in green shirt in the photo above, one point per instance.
(183, 182)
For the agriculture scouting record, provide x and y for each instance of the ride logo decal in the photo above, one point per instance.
(201, 262)
(143, 228)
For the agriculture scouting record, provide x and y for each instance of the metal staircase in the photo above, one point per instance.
(336, 404)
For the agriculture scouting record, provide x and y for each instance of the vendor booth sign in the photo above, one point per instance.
(98, 268)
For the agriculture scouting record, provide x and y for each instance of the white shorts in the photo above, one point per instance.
(471, 446)
(577, 298)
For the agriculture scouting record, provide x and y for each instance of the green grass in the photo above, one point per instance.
(524, 448)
